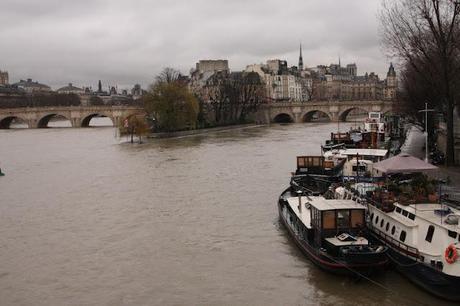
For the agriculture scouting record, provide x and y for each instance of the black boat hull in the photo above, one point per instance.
(425, 276)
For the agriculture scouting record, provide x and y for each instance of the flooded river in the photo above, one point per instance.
(86, 219)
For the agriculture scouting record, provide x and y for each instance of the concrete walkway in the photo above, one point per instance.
(415, 146)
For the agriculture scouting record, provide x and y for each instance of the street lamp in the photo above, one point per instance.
(426, 110)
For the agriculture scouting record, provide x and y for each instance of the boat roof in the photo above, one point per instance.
(304, 215)
(427, 211)
(322, 203)
(367, 152)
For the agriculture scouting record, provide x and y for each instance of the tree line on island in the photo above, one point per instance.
(226, 98)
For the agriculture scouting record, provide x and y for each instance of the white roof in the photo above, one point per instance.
(322, 203)
(427, 211)
(304, 215)
(367, 152)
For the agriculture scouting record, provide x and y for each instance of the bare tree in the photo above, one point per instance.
(233, 96)
(168, 75)
(425, 36)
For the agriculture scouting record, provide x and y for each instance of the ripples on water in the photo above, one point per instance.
(87, 220)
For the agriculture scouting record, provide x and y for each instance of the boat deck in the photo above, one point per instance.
(304, 215)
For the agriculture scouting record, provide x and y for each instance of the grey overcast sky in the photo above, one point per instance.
(125, 42)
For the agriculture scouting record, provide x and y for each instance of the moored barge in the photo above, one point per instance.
(331, 233)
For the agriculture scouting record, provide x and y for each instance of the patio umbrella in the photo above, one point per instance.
(403, 163)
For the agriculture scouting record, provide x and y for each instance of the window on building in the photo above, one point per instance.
(429, 233)
(402, 236)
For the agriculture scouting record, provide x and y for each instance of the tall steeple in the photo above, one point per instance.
(300, 59)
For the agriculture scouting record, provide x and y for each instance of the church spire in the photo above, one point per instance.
(300, 59)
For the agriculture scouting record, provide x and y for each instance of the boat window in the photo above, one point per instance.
(429, 233)
(372, 217)
(439, 265)
(343, 218)
(398, 210)
(376, 219)
(405, 212)
(452, 234)
(357, 218)
(402, 236)
(411, 216)
(387, 227)
(393, 230)
(382, 222)
(329, 219)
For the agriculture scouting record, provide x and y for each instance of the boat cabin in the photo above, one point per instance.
(336, 222)
(319, 165)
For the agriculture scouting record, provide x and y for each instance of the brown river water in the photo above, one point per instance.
(86, 219)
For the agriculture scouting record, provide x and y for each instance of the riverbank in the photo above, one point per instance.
(415, 146)
(202, 131)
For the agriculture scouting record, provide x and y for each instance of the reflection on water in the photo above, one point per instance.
(87, 220)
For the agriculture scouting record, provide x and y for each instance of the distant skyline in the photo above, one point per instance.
(122, 43)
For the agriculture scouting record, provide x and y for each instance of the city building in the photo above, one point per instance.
(335, 82)
(203, 71)
(212, 66)
(70, 89)
(30, 86)
(283, 83)
(391, 84)
(3, 78)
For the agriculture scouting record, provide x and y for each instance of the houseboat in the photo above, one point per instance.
(421, 233)
(331, 233)
(359, 163)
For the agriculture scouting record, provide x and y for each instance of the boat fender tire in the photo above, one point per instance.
(451, 254)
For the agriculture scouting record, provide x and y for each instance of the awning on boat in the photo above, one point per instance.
(403, 163)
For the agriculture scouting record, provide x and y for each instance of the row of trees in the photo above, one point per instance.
(227, 98)
(425, 36)
(234, 96)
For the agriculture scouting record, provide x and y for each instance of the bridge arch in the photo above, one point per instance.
(5, 123)
(344, 114)
(87, 119)
(44, 121)
(283, 118)
(316, 115)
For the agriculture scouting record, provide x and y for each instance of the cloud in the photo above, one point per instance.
(121, 42)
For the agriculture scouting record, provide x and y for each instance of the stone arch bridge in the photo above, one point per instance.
(79, 116)
(304, 111)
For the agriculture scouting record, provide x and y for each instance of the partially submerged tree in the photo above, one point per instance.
(170, 102)
(425, 36)
(135, 125)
